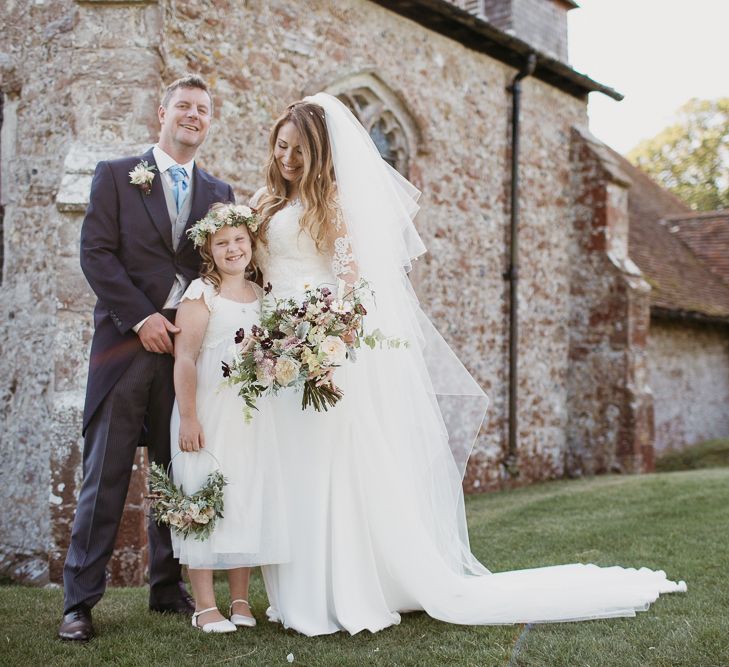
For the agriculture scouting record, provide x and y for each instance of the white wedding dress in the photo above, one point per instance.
(253, 530)
(373, 494)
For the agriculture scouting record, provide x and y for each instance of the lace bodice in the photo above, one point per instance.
(226, 316)
(290, 256)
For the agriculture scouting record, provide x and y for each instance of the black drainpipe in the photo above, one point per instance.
(512, 274)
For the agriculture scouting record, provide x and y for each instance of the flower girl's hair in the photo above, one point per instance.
(208, 271)
(317, 189)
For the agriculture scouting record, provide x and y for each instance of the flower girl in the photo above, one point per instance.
(208, 429)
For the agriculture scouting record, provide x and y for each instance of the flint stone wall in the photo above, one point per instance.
(459, 102)
(82, 80)
(689, 377)
(37, 127)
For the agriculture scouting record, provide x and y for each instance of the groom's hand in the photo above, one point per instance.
(155, 334)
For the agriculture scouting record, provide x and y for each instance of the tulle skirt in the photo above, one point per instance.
(253, 530)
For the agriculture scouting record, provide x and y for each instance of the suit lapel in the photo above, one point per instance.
(156, 204)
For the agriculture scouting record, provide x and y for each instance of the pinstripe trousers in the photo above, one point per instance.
(143, 395)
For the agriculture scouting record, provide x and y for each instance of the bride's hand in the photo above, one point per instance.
(191, 437)
(327, 378)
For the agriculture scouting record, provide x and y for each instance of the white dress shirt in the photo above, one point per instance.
(164, 162)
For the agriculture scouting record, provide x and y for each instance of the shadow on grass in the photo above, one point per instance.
(710, 454)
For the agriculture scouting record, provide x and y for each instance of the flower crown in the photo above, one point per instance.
(229, 214)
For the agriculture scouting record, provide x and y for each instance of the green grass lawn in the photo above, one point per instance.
(675, 521)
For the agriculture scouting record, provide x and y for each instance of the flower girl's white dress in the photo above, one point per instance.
(253, 530)
(374, 501)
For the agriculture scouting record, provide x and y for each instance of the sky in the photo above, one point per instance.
(658, 53)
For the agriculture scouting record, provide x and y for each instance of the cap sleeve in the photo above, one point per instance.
(253, 201)
(199, 288)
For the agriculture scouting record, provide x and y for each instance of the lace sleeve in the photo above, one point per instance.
(344, 264)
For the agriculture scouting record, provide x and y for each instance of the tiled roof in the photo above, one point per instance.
(707, 234)
(682, 283)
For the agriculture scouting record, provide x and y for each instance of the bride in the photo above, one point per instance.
(373, 486)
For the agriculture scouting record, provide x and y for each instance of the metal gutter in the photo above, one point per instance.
(678, 315)
(478, 35)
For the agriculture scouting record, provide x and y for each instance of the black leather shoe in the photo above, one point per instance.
(76, 625)
(182, 605)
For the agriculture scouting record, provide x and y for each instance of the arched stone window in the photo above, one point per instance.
(383, 116)
(382, 125)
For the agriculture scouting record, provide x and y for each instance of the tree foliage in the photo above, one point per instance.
(691, 158)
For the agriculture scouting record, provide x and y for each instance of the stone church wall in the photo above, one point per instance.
(459, 105)
(81, 82)
(37, 128)
(689, 377)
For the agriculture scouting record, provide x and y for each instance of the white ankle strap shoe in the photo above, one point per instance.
(240, 620)
(218, 626)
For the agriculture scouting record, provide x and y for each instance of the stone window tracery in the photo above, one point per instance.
(381, 111)
(381, 124)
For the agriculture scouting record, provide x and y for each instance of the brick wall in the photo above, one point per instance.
(541, 23)
(610, 408)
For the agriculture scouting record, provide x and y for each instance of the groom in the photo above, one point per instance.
(138, 260)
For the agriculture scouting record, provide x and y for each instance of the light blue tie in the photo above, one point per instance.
(179, 184)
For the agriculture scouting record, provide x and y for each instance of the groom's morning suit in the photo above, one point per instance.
(136, 256)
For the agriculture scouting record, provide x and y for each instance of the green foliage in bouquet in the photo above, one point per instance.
(300, 342)
(193, 515)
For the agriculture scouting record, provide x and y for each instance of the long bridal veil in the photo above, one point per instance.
(417, 413)
(379, 206)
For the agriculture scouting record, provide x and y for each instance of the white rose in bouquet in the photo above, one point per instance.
(287, 370)
(334, 349)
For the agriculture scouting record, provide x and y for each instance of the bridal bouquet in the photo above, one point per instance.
(300, 343)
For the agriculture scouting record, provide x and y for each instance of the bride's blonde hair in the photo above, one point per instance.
(317, 188)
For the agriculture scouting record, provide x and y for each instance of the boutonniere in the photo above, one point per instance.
(143, 175)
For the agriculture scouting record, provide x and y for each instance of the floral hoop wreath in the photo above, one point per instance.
(188, 515)
(233, 215)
